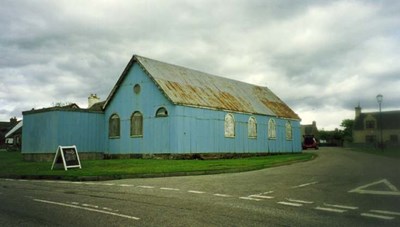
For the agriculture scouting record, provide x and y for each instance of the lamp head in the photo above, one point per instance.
(379, 98)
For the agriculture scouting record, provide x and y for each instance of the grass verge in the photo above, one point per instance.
(12, 166)
(388, 152)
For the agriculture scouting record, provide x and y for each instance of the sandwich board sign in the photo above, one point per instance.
(68, 157)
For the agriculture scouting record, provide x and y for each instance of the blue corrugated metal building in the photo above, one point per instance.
(160, 108)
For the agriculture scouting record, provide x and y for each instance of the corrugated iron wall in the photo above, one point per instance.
(43, 132)
(186, 129)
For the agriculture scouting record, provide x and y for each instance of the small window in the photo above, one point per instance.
(137, 124)
(252, 127)
(162, 112)
(136, 88)
(229, 125)
(289, 134)
(370, 124)
(370, 138)
(271, 129)
(114, 126)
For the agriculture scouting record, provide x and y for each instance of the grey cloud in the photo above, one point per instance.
(315, 55)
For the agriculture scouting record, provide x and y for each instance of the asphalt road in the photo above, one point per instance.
(339, 188)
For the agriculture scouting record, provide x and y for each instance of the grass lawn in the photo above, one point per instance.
(12, 166)
(388, 152)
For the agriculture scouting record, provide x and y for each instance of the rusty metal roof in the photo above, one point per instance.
(188, 87)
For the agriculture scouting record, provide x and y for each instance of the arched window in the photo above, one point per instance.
(114, 126)
(289, 134)
(137, 124)
(271, 129)
(229, 125)
(252, 127)
(162, 112)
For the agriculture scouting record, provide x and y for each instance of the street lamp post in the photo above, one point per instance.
(379, 99)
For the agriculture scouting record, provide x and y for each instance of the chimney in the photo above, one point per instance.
(13, 120)
(358, 110)
(92, 99)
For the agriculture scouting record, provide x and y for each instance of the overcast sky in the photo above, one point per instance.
(320, 57)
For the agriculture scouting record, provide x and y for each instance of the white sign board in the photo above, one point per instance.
(68, 157)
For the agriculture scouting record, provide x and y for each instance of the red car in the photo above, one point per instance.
(309, 142)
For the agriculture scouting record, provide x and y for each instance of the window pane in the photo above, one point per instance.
(288, 131)
(114, 126)
(252, 127)
(229, 125)
(162, 112)
(271, 129)
(137, 124)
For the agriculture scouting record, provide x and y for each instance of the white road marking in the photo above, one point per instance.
(249, 198)
(170, 189)
(222, 195)
(125, 185)
(377, 216)
(89, 183)
(266, 193)
(261, 196)
(196, 192)
(330, 209)
(144, 186)
(107, 184)
(90, 205)
(86, 208)
(299, 201)
(290, 204)
(74, 203)
(341, 206)
(363, 189)
(306, 184)
(386, 212)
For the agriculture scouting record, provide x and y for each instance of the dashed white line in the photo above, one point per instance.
(290, 204)
(126, 185)
(145, 186)
(377, 216)
(306, 184)
(196, 192)
(86, 208)
(222, 195)
(107, 184)
(341, 206)
(386, 212)
(330, 209)
(249, 198)
(299, 201)
(261, 196)
(90, 205)
(170, 189)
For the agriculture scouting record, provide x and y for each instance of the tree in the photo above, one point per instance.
(347, 124)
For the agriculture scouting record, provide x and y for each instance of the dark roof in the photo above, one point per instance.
(188, 87)
(390, 120)
(70, 107)
(98, 106)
